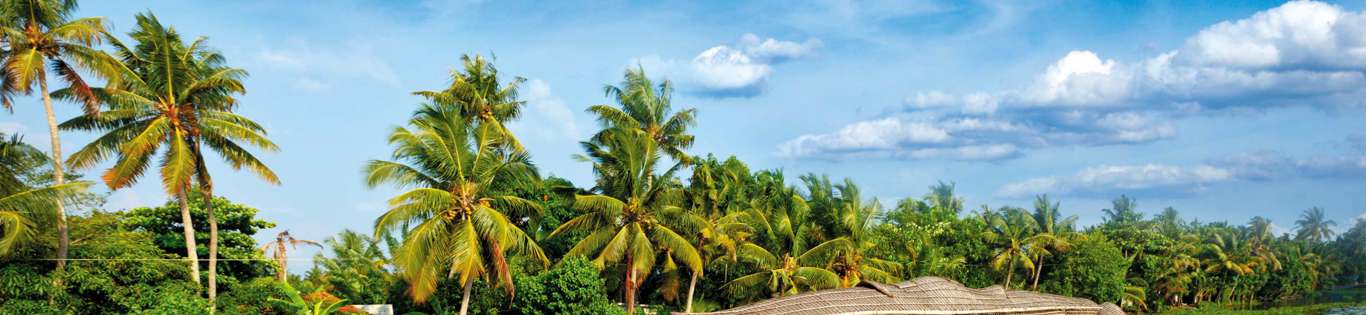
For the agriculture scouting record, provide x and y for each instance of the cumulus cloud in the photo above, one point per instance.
(1302, 53)
(737, 70)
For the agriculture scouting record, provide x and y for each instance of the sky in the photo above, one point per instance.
(1224, 110)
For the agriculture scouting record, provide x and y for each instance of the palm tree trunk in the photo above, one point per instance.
(213, 245)
(1010, 270)
(691, 285)
(191, 254)
(465, 301)
(280, 259)
(58, 177)
(206, 188)
(630, 285)
(1038, 271)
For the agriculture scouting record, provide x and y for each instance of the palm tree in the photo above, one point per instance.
(168, 93)
(649, 109)
(785, 265)
(1260, 228)
(40, 37)
(848, 253)
(20, 203)
(456, 213)
(1010, 229)
(1314, 226)
(634, 217)
(719, 229)
(477, 93)
(1050, 234)
(281, 255)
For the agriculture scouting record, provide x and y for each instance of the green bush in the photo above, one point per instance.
(1094, 268)
(252, 297)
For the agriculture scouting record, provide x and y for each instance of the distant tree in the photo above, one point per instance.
(1124, 211)
(280, 246)
(1314, 226)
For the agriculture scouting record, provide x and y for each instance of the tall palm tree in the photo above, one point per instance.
(281, 255)
(1010, 229)
(634, 218)
(42, 38)
(719, 230)
(178, 95)
(1314, 226)
(455, 216)
(649, 109)
(1049, 235)
(480, 97)
(22, 206)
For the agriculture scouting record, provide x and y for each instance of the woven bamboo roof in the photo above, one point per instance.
(925, 295)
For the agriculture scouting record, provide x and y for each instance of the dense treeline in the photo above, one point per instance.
(475, 224)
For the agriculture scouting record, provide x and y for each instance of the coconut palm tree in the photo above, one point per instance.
(785, 264)
(281, 253)
(22, 206)
(634, 218)
(480, 97)
(1010, 229)
(1050, 234)
(1314, 226)
(649, 109)
(848, 253)
(718, 229)
(455, 213)
(41, 38)
(181, 96)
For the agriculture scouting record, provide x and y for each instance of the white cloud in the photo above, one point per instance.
(1168, 179)
(730, 71)
(773, 50)
(1106, 179)
(546, 116)
(975, 138)
(1302, 53)
(355, 60)
(1296, 34)
(1274, 165)
(722, 68)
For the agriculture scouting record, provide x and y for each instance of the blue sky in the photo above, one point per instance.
(1222, 110)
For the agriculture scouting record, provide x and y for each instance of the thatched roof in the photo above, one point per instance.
(926, 295)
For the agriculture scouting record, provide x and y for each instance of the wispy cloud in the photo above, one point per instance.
(317, 64)
(546, 116)
(1175, 180)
